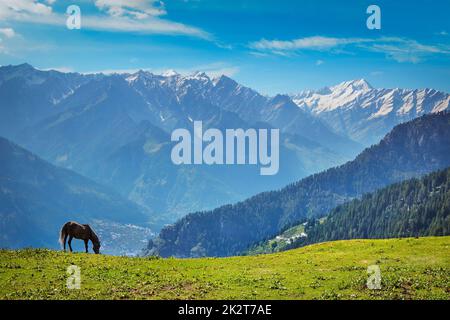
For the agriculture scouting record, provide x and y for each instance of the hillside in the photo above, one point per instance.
(410, 269)
(37, 198)
(416, 207)
(409, 150)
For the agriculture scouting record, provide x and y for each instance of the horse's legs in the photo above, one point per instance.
(65, 239)
(70, 243)
(86, 245)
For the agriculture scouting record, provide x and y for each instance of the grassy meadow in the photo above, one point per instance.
(410, 269)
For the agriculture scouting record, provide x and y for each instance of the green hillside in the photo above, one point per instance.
(410, 268)
(416, 207)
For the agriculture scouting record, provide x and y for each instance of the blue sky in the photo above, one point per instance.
(273, 46)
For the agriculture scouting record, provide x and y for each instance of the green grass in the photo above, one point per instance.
(410, 269)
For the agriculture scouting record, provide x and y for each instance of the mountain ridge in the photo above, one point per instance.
(365, 114)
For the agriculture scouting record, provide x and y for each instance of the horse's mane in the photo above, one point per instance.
(94, 236)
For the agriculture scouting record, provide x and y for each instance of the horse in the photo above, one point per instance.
(79, 231)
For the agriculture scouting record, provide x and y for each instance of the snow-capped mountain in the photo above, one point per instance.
(365, 114)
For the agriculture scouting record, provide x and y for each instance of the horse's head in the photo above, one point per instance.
(96, 247)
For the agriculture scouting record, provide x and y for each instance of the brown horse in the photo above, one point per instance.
(79, 231)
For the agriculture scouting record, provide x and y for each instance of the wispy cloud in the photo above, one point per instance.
(308, 43)
(133, 16)
(406, 50)
(151, 25)
(18, 9)
(139, 9)
(396, 48)
(7, 32)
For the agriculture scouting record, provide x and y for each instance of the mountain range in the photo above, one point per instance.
(357, 110)
(114, 132)
(409, 150)
(115, 129)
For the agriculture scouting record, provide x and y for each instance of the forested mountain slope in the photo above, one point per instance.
(413, 208)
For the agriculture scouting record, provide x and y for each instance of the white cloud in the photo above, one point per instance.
(308, 43)
(139, 9)
(7, 32)
(398, 49)
(258, 54)
(17, 9)
(152, 25)
(406, 50)
(137, 16)
(319, 62)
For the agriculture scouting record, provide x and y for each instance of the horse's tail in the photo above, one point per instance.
(62, 234)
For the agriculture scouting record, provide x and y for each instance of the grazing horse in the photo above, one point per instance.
(79, 231)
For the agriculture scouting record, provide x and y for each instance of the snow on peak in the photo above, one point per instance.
(202, 77)
(358, 97)
(199, 75)
(140, 74)
(170, 73)
(224, 80)
(328, 99)
(132, 78)
(356, 85)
